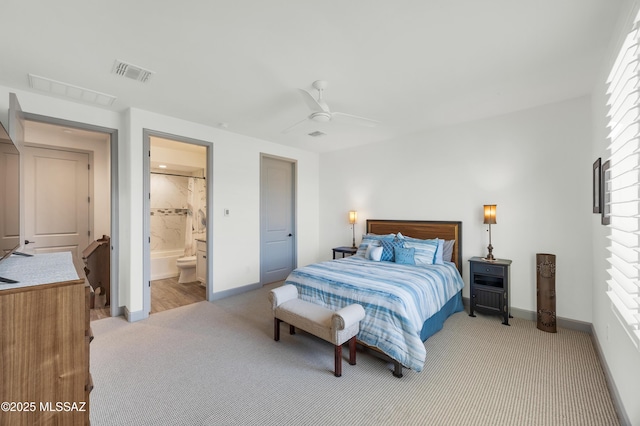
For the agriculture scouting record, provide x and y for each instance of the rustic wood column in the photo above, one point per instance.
(546, 291)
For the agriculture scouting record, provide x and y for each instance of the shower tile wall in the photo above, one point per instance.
(168, 205)
(200, 205)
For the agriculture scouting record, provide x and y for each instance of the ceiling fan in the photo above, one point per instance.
(321, 113)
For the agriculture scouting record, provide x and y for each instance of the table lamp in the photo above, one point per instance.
(490, 219)
(353, 219)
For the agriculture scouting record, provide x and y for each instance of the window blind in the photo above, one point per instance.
(621, 185)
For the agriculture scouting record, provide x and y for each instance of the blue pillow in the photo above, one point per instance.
(371, 239)
(438, 260)
(425, 250)
(404, 255)
(387, 249)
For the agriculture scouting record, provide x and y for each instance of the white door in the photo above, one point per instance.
(56, 189)
(277, 254)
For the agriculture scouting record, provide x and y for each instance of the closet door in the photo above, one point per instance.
(277, 220)
(56, 185)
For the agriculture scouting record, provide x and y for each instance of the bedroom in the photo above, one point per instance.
(534, 163)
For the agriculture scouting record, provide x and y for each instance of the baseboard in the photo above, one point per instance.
(571, 324)
(217, 295)
(135, 316)
(140, 315)
(117, 312)
(165, 276)
(613, 390)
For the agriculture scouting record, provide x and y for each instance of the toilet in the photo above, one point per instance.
(187, 267)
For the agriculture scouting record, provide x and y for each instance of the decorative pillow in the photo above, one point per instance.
(404, 255)
(387, 249)
(362, 248)
(447, 252)
(368, 239)
(425, 250)
(439, 252)
(375, 253)
(380, 237)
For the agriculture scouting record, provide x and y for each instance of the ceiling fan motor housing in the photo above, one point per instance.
(320, 116)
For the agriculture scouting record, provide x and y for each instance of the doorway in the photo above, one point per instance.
(177, 261)
(77, 157)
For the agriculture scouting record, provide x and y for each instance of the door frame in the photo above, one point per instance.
(146, 227)
(294, 211)
(116, 309)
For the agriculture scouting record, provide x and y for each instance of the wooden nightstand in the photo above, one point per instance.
(490, 287)
(344, 250)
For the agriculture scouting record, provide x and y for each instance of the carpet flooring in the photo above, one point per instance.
(217, 364)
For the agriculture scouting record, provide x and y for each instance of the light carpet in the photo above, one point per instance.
(217, 364)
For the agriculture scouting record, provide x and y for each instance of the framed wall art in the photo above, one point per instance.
(597, 189)
(605, 193)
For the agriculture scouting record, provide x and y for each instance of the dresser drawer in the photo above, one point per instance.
(480, 268)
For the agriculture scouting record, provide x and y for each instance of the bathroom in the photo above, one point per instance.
(178, 199)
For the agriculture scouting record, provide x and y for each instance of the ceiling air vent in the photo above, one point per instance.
(316, 134)
(70, 91)
(131, 71)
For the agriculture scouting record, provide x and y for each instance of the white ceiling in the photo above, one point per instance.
(410, 64)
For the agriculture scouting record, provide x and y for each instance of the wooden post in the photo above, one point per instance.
(546, 291)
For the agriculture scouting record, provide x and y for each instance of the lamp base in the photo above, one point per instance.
(353, 230)
(489, 257)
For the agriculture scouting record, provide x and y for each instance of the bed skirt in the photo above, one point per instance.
(435, 323)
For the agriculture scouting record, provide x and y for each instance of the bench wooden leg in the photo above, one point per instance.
(276, 329)
(352, 350)
(338, 361)
(292, 329)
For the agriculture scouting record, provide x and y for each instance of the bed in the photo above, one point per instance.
(404, 304)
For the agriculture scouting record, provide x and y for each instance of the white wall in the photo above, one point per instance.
(534, 164)
(236, 186)
(236, 174)
(622, 359)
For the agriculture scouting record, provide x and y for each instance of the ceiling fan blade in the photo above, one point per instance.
(290, 128)
(312, 102)
(353, 119)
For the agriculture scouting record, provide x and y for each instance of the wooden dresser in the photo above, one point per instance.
(44, 342)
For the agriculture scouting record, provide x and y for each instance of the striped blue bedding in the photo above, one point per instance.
(397, 299)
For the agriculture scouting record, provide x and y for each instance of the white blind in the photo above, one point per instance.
(621, 187)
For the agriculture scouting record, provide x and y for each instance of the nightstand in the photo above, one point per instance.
(490, 287)
(344, 250)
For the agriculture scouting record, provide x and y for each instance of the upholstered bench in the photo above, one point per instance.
(333, 326)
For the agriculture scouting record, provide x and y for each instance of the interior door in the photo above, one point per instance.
(56, 188)
(277, 221)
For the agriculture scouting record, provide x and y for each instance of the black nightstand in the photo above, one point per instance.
(490, 287)
(344, 250)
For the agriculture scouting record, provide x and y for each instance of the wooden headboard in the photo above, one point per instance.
(423, 229)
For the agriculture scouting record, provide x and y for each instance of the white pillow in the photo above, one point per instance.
(375, 253)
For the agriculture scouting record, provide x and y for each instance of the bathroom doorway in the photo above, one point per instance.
(177, 222)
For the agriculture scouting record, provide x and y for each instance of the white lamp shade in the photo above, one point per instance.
(353, 217)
